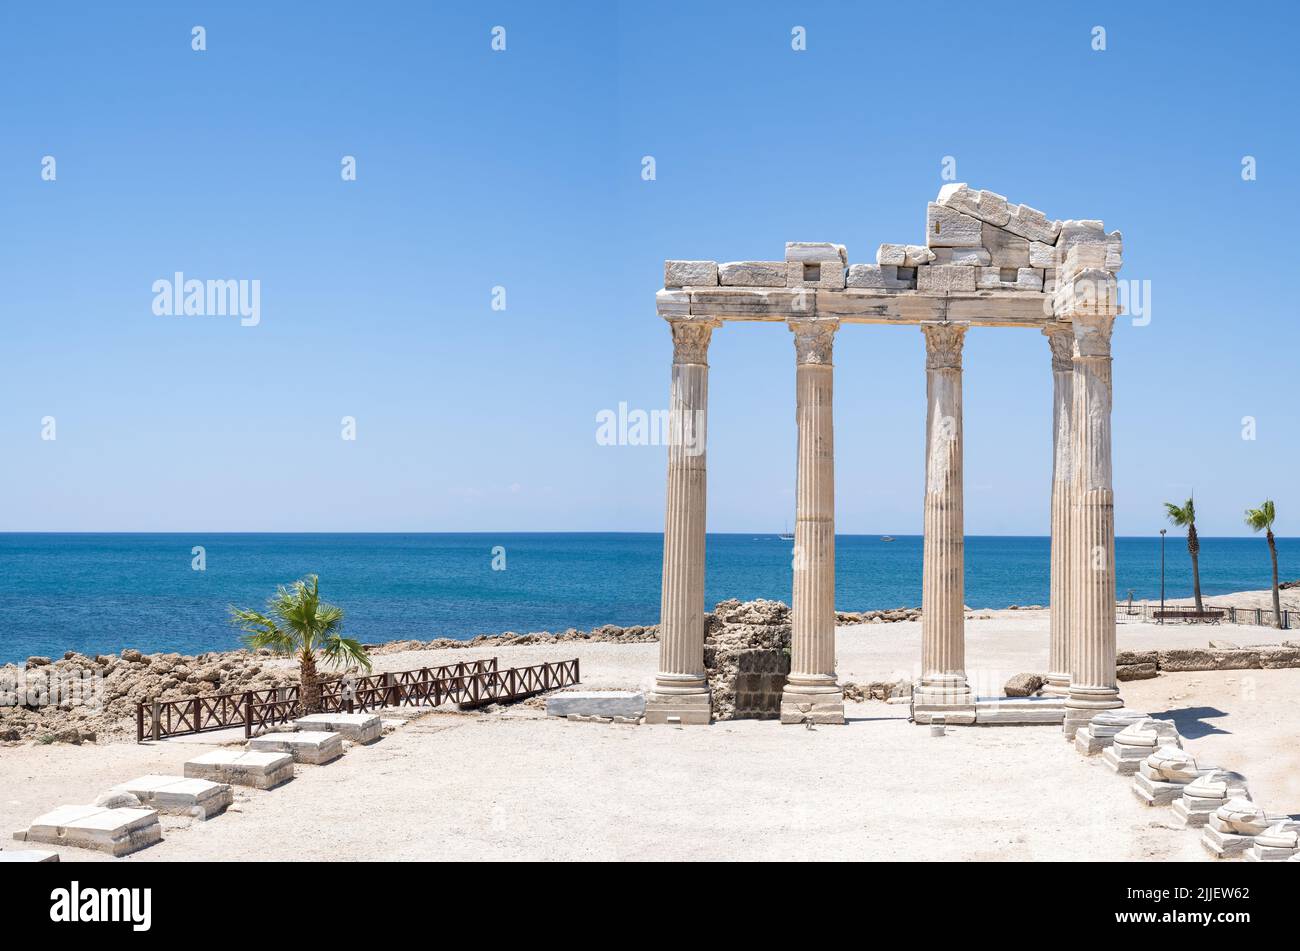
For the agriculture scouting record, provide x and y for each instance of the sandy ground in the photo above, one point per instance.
(515, 785)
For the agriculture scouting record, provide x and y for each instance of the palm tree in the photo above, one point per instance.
(1261, 519)
(296, 623)
(1182, 515)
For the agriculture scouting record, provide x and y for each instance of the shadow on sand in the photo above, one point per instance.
(1190, 721)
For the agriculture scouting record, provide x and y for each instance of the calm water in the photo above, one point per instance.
(100, 593)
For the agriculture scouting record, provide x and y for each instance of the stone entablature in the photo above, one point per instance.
(985, 262)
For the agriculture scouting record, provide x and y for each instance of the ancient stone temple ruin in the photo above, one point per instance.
(985, 263)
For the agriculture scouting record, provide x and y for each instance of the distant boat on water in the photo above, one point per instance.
(886, 538)
(786, 536)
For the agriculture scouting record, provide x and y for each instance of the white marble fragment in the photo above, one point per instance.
(965, 257)
(892, 254)
(945, 277)
(946, 228)
(1032, 224)
(690, 274)
(752, 274)
(815, 252)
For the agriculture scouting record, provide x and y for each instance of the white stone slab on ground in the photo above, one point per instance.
(1019, 710)
(313, 747)
(27, 855)
(180, 796)
(115, 831)
(242, 768)
(629, 704)
(356, 727)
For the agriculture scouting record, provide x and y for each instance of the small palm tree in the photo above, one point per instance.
(1185, 515)
(296, 623)
(1261, 519)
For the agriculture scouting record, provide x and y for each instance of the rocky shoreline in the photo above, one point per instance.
(97, 696)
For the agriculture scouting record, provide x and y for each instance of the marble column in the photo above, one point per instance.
(681, 690)
(1093, 685)
(1061, 340)
(811, 693)
(943, 688)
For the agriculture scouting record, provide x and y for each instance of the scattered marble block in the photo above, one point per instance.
(355, 727)
(27, 855)
(314, 747)
(827, 708)
(1232, 828)
(115, 831)
(241, 768)
(1101, 729)
(1278, 843)
(1205, 794)
(629, 704)
(1163, 776)
(178, 796)
(1136, 742)
(679, 710)
(1019, 710)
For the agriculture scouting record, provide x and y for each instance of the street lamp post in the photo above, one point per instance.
(1162, 574)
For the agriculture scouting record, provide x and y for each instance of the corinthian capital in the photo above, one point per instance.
(813, 341)
(691, 337)
(1061, 339)
(943, 345)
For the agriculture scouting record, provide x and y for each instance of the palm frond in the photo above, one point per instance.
(339, 651)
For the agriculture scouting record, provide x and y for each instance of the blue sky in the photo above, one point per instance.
(522, 169)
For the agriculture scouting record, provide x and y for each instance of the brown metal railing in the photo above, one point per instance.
(468, 683)
(1263, 617)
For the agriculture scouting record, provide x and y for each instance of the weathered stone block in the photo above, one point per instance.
(752, 274)
(966, 257)
(1041, 255)
(672, 303)
(1136, 671)
(1024, 685)
(1005, 249)
(915, 255)
(1186, 658)
(690, 273)
(1032, 224)
(892, 254)
(1135, 657)
(597, 703)
(985, 205)
(309, 746)
(946, 228)
(827, 275)
(945, 277)
(1009, 279)
(354, 727)
(1274, 657)
(115, 831)
(816, 252)
(241, 768)
(178, 796)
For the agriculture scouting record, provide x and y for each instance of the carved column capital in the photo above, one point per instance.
(691, 337)
(814, 340)
(1060, 338)
(943, 343)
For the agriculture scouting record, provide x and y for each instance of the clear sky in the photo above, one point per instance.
(523, 169)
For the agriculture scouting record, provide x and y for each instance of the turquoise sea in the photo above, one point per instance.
(101, 593)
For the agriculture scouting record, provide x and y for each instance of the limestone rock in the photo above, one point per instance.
(1024, 685)
(1241, 817)
(946, 228)
(892, 254)
(1126, 672)
(984, 205)
(1041, 255)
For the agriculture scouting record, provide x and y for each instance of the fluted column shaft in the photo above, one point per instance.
(1093, 685)
(681, 691)
(811, 692)
(1061, 340)
(943, 633)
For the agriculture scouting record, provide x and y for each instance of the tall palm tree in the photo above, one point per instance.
(1261, 519)
(297, 623)
(1185, 515)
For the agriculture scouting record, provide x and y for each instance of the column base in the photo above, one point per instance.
(1086, 702)
(1058, 685)
(810, 698)
(945, 695)
(680, 700)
